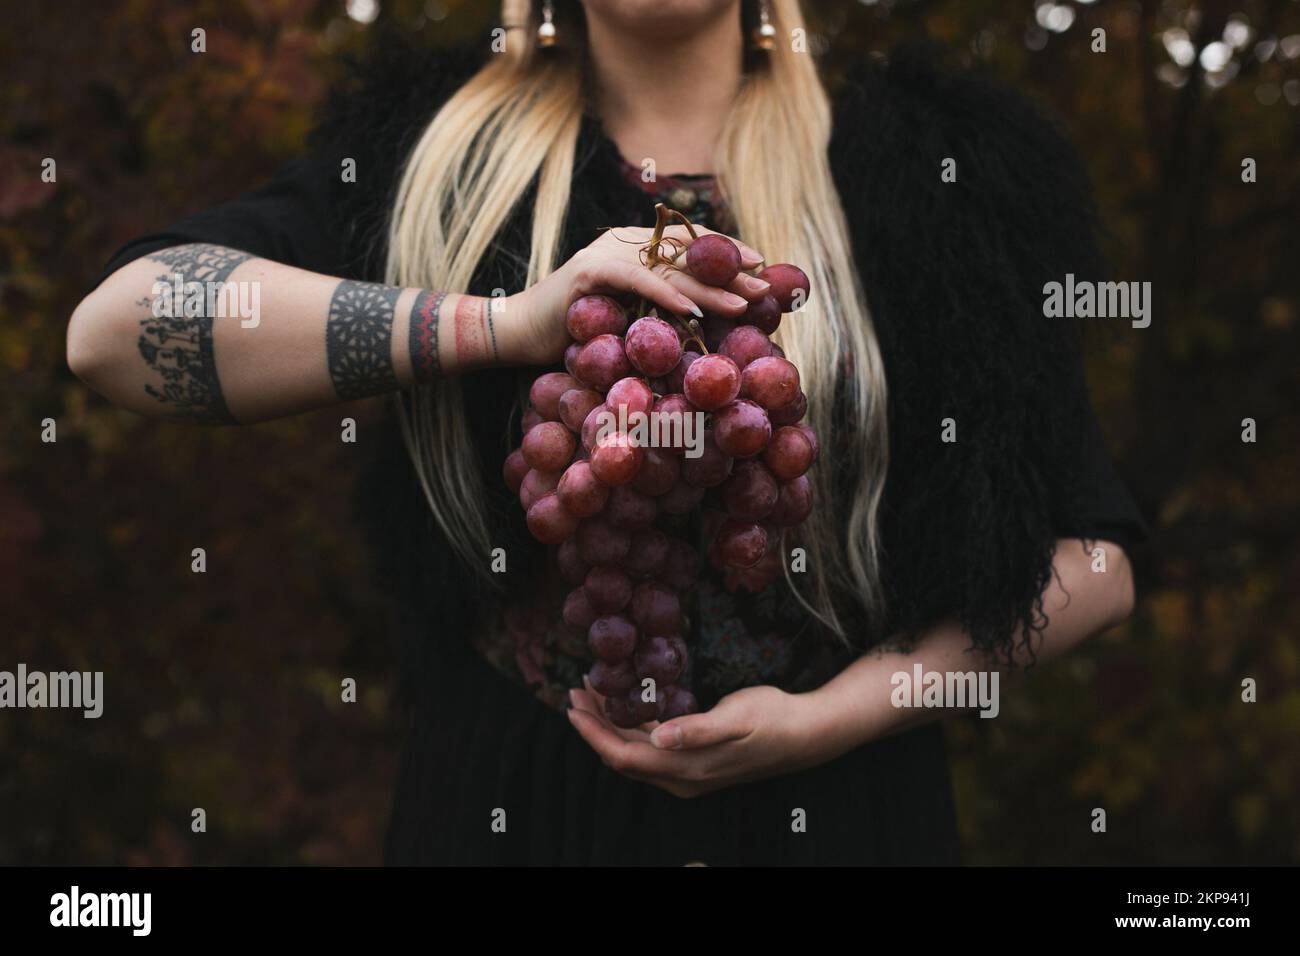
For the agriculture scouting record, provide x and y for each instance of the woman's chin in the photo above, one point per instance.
(659, 19)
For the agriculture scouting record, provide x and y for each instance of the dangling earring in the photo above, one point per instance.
(546, 29)
(764, 33)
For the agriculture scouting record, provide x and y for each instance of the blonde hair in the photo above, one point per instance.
(517, 121)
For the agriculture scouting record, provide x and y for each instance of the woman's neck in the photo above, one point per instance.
(666, 99)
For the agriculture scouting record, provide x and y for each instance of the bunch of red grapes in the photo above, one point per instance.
(616, 506)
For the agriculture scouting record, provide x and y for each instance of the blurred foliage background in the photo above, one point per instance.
(222, 690)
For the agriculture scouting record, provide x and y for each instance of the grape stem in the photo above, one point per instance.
(685, 222)
(654, 256)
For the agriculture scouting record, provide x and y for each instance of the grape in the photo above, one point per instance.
(578, 611)
(655, 608)
(612, 638)
(602, 362)
(548, 521)
(572, 568)
(592, 424)
(659, 472)
(793, 503)
(546, 391)
(679, 646)
(652, 346)
(549, 446)
(616, 459)
(641, 710)
(750, 493)
(789, 454)
(772, 382)
(576, 404)
(535, 484)
(792, 413)
(745, 343)
(682, 568)
(620, 712)
(612, 680)
(740, 544)
(580, 491)
(594, 315)
(741, 428)
(571, 358)
(681, 499)
(713, 259)
(672, 382)
(649, 553)
(629, 508)
(514, 470)
(710, 469)
(596, 491)
(659, 660)
(711, 382)
(670, 413)
(599, 542)
(787, 281)
(677, 702)
(765, 314)
(715, 329)
(608, 589)
(629, 395)
(812, 440)
(672, 402)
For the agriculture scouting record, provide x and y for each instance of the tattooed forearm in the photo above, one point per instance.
(359, 339)
(475, 334)
(178, 345)
(426, 363)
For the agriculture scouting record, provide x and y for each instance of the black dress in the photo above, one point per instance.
(953, 274)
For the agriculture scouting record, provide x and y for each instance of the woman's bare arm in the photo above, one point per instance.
(762, 732)
(1079, 602)
(247, 339)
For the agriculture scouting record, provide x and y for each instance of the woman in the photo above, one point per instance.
(967, 505)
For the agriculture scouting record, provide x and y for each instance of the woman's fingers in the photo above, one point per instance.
(751, 287)
(619, 268)
(593, 703)
(750, 258)
(633, 758)
(694, 731)
(713, 299)
(623, 276)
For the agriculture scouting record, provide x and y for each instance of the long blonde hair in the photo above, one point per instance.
(517, 121)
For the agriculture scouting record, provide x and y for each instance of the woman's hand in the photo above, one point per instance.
(754, 733)
(763, 732)
(612, 265)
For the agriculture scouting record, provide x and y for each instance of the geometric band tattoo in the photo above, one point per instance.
(426, 364)
(359, 339)
(179, 347)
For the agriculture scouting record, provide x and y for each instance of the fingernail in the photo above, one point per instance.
(666, 737)
(734, 300)
(755, 284)
(693, 309)
(573, 699)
